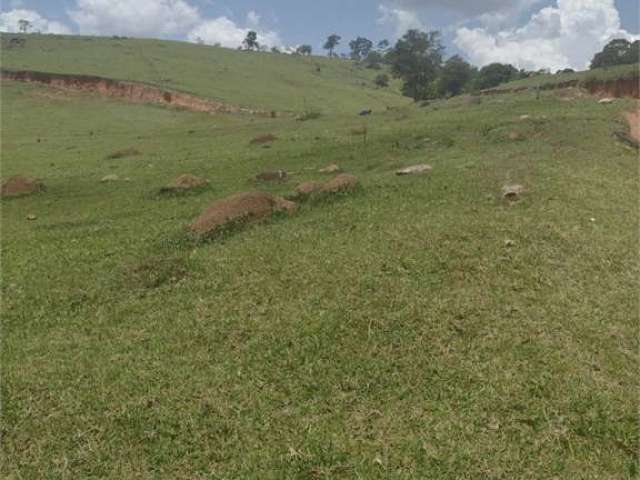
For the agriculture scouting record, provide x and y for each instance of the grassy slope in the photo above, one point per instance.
(612, 73)
(390, 334)
(272, 81)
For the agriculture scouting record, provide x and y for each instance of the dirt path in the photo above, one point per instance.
(134, 92)
(633, 119)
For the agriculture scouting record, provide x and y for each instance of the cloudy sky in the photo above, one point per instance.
(530, 34)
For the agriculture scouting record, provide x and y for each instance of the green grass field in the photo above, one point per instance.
(421, 328)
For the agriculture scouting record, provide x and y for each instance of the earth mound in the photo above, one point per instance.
(19, 185)
(188, 181)
(342, 183)
(307, 188)
(263, 139)
(243, 207)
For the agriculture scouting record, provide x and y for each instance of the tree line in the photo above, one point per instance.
(418, 60)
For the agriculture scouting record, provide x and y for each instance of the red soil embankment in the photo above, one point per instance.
(131, 91)
(621, 87)
(633, 119)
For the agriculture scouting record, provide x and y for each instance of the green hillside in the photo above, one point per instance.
(422, 327)
(265, 80)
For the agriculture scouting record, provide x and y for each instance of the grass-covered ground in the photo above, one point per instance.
(420, 328)
(266, 80)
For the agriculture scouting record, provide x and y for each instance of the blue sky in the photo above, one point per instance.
(528, 33)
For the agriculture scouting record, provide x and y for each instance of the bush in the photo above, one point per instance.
(308, 115)
(382, 80)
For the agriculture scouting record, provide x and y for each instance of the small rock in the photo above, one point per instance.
(525, 117)
(494, 424)
(31, 216)
(509, 243)
(606, 101)
(333, 168)
(415, 169)
(592, 220)
(110, 178)
(513, 192)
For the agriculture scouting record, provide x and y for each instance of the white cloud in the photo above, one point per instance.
(165, 18)
(227, 33)
(253, 19)
(157, 18)
(399, 19)
(567, 35)
(9, 22)
(467, 8)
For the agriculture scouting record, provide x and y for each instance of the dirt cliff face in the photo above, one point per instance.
(130, 91)
(623, 87)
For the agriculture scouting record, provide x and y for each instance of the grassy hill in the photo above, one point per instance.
(266, 80)
(422, 327)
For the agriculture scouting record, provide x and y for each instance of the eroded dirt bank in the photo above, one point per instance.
(633, 119)
(131, 91)
(623, 87)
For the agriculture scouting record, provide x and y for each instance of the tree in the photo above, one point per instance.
(494, 74)
(455, 76)
(24, 25)
(332, 42)
(416, 59)
(251, 41)
(373, 60)
(617, 52)
(360, 48)
(304, 50)
(382, 80)
(383, 44)
(275, 50)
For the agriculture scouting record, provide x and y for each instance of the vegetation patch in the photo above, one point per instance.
(124, 153)
(309, 115)
(157, 271)
(272, 176)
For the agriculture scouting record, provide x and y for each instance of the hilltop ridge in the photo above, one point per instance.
(270, 81)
